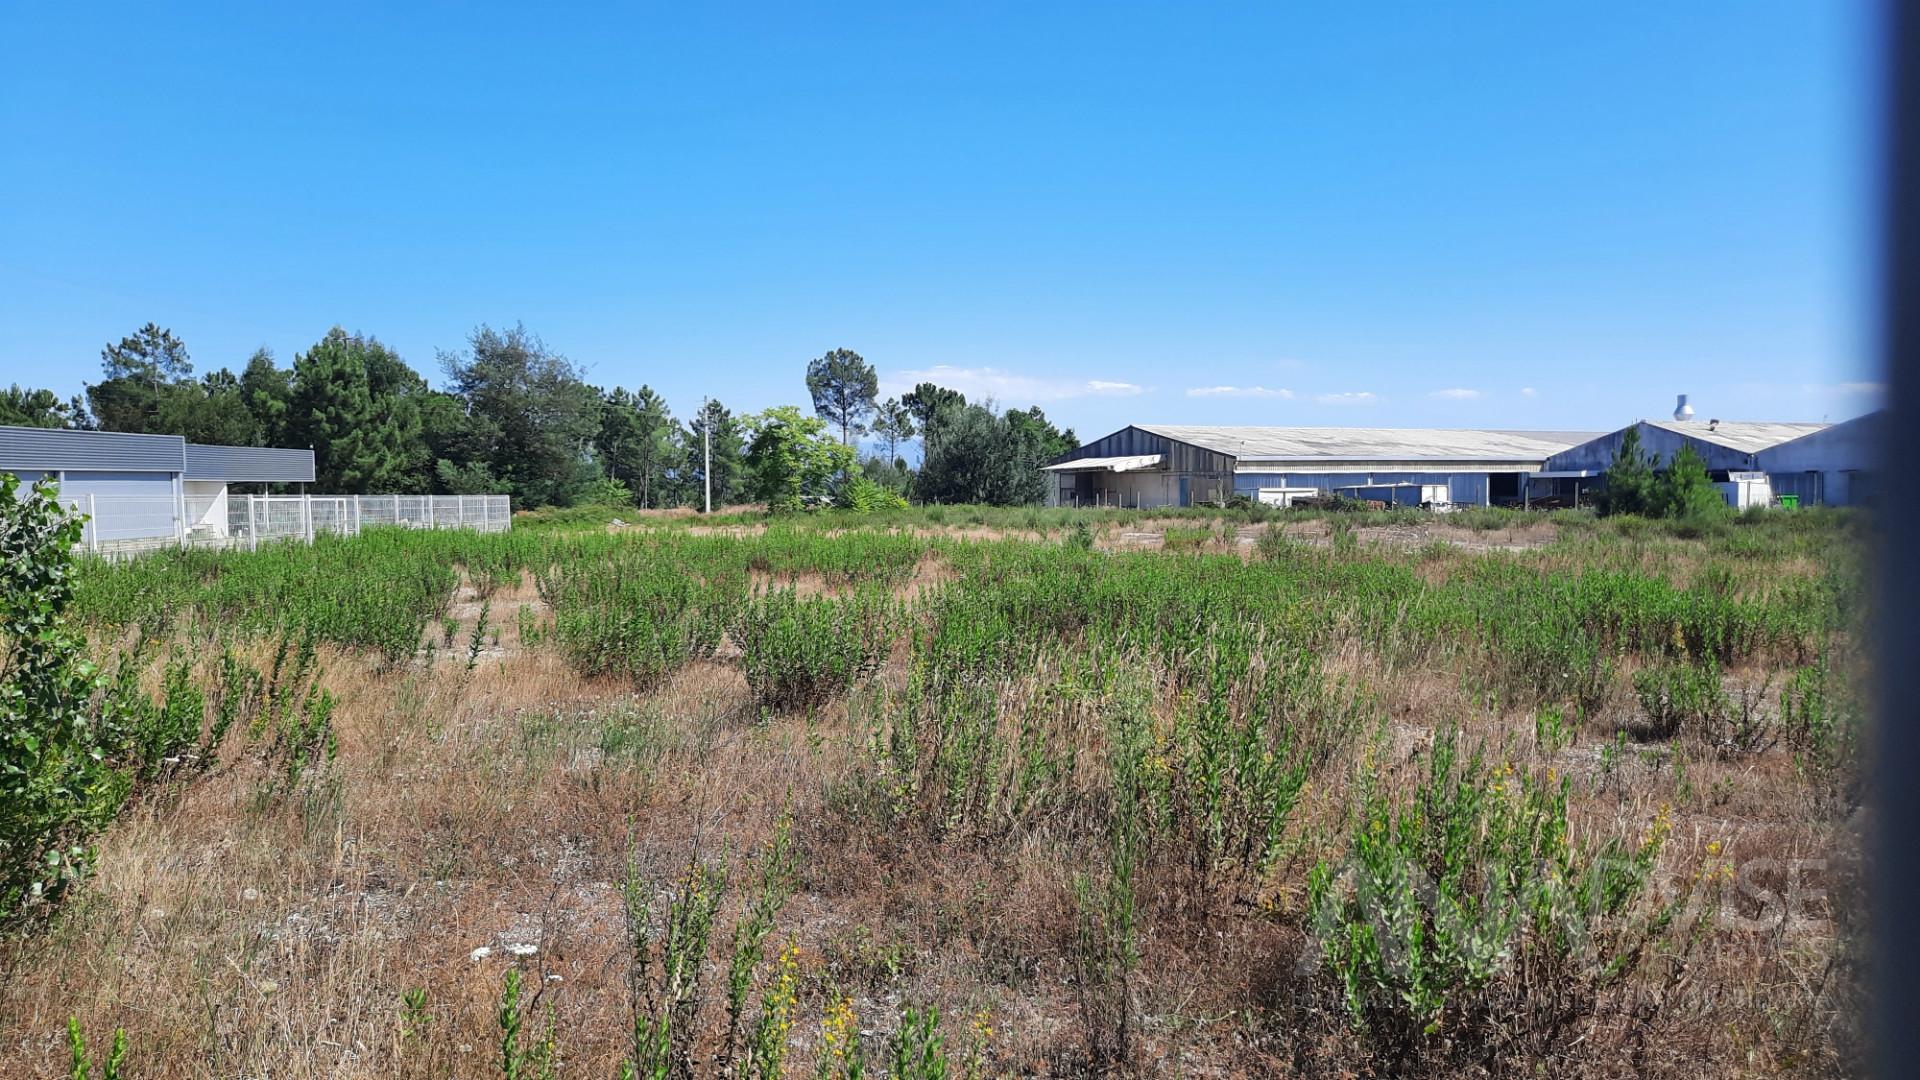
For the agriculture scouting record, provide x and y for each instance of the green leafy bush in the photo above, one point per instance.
(1681, 697)
(58, 786)
(1469, 913)
(800, 651)
(864, 496)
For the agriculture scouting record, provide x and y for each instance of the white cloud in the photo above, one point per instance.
(1003, 386)
(1240, 391)
(1528, 391)
(1357, 397)
(1456, 394)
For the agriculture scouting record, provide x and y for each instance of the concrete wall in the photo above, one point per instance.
(206, 507)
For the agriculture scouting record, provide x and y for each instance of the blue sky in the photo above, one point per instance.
(1512, 215)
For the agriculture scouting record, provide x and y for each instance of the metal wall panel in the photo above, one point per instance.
(54, 448)
(126, 505)
(1207, 474)
(249, 464)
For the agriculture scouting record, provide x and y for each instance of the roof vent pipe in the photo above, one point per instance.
(1682, 410)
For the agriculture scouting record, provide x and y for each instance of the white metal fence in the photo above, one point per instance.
(135, 523)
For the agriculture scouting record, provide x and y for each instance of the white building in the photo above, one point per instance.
(139, 487)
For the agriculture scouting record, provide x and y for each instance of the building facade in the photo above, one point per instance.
(1755, 463)
(139, 487)
(1172, 465)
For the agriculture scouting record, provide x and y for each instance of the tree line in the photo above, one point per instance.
(514, 417)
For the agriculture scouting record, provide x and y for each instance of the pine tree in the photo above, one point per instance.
(355, 404)
(1684, 491)
(1629, 479)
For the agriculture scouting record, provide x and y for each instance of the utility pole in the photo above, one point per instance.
(706, 448)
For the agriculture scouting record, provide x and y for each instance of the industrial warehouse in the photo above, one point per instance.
(1753, 463)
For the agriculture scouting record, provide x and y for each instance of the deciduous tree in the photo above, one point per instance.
(792, 456)
(534, 417)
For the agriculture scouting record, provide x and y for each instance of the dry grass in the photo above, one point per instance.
(498, 808)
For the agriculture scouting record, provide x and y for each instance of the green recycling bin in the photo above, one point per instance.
(1791, 502)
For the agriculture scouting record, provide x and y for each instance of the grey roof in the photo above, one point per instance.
(1746, 436)
(55, 449)
(249, 464)
(64, 449)
(1373, 444)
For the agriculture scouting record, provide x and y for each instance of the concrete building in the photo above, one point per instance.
(1173, 465)
(139, 487)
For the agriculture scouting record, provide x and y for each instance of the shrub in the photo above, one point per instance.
(669, 960)
(801, 651)
(864, 496)
(57, 784)
(1469, 916)
(1681, 697)
(1184, 539)
(918, 1051)
(1823, 721)
(634, 614)
(605, 491)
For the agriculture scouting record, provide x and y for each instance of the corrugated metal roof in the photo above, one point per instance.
(1373, 444)
(54, 449)
(249, 464)
(1108, 464)
(1746, 436)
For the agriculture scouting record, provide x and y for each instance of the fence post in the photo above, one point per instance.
(93, 525)
(306, 517)
(356, 515)
(396, 511)
(253, 523)
(429, 511)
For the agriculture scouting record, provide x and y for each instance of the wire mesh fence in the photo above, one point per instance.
(129, 524)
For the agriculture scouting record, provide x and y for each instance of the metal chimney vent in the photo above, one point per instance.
(1682, 410)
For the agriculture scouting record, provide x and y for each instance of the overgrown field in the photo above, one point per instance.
(975, 793)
